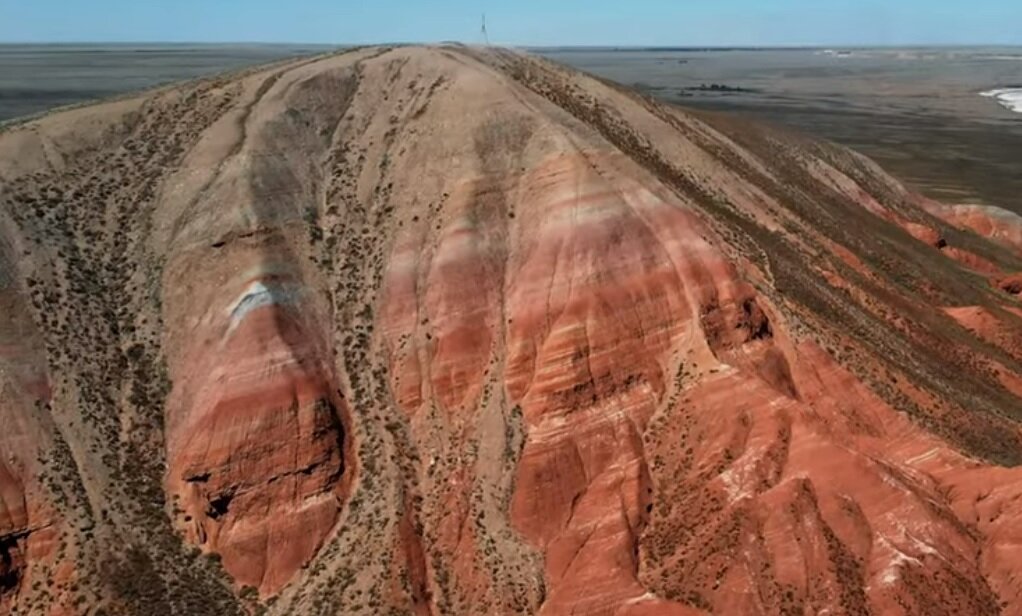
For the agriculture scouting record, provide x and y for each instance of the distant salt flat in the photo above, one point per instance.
(1009, 97)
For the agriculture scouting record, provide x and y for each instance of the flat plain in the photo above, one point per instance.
(36, 78)
(916, 111)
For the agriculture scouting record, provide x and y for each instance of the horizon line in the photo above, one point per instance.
(545, 46)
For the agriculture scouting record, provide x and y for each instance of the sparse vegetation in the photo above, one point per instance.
(685, 438)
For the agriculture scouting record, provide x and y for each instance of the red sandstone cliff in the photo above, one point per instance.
(451, 331)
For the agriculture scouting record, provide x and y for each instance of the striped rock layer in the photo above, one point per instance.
(458, 331)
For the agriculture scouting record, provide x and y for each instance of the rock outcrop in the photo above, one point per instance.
(460, 331)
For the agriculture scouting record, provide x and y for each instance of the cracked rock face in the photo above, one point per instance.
(458, 331)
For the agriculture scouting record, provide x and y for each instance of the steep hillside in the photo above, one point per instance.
(460, 331)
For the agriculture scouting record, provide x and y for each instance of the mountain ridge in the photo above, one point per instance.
(459, 330)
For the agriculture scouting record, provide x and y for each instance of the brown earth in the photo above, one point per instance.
(460, 331)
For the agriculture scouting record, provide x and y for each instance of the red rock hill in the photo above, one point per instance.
(460, 331)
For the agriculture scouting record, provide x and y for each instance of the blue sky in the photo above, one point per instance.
(520, 22)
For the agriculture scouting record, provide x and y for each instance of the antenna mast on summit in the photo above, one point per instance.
(486, 37)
